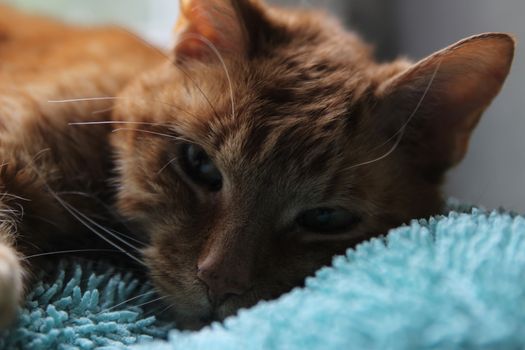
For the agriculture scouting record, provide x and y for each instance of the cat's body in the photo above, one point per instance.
(305, 145)
(40, 61)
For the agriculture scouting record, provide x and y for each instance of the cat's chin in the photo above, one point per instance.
(197, 319)
(192, 324)
(189, 321)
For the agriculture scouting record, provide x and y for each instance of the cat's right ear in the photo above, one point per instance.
(435, 104)
(207, 28)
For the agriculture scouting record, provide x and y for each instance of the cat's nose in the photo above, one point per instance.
(223, 278)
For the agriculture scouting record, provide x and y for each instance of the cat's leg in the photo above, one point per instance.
(34, 220)
(44, 168)
(11, 279)
(23, 201)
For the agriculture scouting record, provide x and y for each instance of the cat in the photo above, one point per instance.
(266, 142)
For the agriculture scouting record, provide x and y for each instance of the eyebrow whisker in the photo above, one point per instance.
(177, 138)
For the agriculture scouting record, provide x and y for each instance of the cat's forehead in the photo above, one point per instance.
(290, 103)
(283, 144)
(293, 104)
(297, 90)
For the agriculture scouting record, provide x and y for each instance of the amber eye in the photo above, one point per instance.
(200, 168)
(327, 220)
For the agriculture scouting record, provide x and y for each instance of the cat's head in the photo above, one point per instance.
(273, 141)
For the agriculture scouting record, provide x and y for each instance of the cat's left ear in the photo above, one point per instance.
(230, 27)
(441, 98)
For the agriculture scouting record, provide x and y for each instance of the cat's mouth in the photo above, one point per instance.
(199, 311)
(203, 318)
(212, 316)
(218, 312)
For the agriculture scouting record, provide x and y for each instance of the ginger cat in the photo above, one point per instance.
(265, 143)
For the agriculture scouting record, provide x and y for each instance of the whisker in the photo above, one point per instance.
(219, 56)
(10, 211)
(170, 59)
(188, 76)
(72, 210)
(401, 131)
(127, 301)
(128, 237)
(177, 138)
(157, 314)
(389, 152)
(106, 230)
(117, 122)
(75, 213)
(112, 98)
(47, 221)
(152, 301)
(10, 195)
(70, 251)
(166, 165)
(87, 99)
(162, 275)
(109, 210)
(40, 153)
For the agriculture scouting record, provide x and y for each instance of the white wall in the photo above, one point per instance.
(493, 173)
(153, 19)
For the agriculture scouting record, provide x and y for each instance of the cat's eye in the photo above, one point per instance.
(327, 220)
(200, 168)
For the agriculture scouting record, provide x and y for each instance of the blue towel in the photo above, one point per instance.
(85, 306)
(450, 282)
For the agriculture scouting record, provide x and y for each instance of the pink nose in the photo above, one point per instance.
(222, 278)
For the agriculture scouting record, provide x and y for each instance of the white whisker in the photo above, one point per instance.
(389, 152)
(40, 153)
(5, 194)
(87, 99)
(401, 131)
(163, 310)
(166, 165)
(72, 211)
(152, 301)
(115, 122)
(127, 301)
(70, 251)
(112, 98)
(77, 215)
(219, 56)
(128, 237)
(108, 208)
(92, 222)
(177, 138)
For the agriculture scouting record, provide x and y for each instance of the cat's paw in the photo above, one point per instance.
(11, 287)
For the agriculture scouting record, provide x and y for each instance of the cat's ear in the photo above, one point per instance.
(438, 101)
(227, 27)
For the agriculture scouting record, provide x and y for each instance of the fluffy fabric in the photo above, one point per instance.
(85, 308)
(454, 282)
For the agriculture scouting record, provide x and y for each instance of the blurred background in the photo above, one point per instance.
(493, 173)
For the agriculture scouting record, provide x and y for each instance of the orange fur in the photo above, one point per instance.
(293, 111)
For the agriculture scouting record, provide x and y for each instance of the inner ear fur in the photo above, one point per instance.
(437, 102)
(232, 27)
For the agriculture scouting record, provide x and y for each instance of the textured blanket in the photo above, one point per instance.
(451, 282)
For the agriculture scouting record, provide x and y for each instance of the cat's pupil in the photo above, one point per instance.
(326, 220)
(323, 216)
(200, 167)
